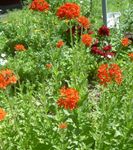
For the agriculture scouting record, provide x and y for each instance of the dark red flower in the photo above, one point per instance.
(96, 50)
(107, 48)
(68, 11)
(109, 55)
(104, 31)
(91, 32)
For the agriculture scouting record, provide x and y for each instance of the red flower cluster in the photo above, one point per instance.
(125, 42)
(104, 31)
(107, 48)
(2, 114)
(68, 11)
(107, 74)
(19, 47)
(69, 98)
(7, 77)
(59, 44)
(84, 22)
(39, 5)
(86, 39)
(105, 51)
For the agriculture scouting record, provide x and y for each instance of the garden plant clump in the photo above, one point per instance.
(65, 82)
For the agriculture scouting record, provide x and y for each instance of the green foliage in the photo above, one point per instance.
(103, 117)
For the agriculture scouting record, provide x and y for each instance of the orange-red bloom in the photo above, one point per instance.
(68, 11)
(48, 66)
(125, 42)
(130, 55)
(19, 47)
(84, 22)
(2, 114)
(7, 77)
(107, 74)
(63, 125)
(39, 5)
(87, 39)
(69, 98)
(59, 44)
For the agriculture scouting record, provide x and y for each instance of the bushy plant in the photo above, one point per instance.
(69, 93)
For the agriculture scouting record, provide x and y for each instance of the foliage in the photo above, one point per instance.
(102, 117)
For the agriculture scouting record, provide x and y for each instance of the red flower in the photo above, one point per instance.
(63, 125)
(2, 114)
(96, 50)
(39, 5)
(109, 55)
(115, 73)
(68, 11)
(107, 48)
(69, 98)
(107, 74)
(125, 42)
(84, 22)
(104, 31)
(86, 39)
(130, 55)
(19, 47)
(59, 44)
(7, 77)
(48, 66)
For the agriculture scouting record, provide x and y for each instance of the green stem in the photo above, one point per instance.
(71, 36)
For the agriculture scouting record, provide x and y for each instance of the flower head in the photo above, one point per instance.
(96, 50)
(107, 74)
(2, 114)
(69, 98)
(63, 125)
(84, 22)
(48, 66)
(68, 11)
(87, 39)
(107, 48)
(19, 47)
(109, 55)
(7, 77)
(104, 31)
(125, 42)
(130, 55)
(59, 44)
(39, 5)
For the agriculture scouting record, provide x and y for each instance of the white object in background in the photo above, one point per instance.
(2, 61)
(3, 55)
(113, 19)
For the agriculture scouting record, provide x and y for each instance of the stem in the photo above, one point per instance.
(71, 36)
